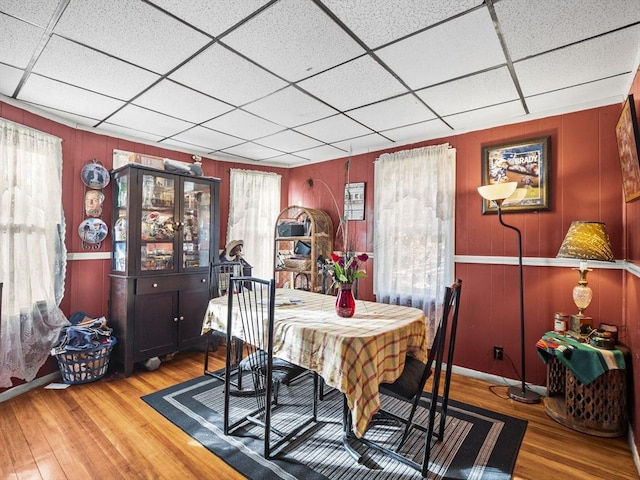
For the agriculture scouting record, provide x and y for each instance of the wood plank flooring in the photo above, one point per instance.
(102, 430)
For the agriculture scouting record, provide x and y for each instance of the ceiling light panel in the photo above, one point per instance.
(19, 41)
(181, 102)
(77, 65)
(294, 40)
(379, 22)
(49, 93)
(226, 76)
(399, 111)
(354, 84)
(468, 93)
(243, 125)
(147, 37)
(559, 23)
(450, 50)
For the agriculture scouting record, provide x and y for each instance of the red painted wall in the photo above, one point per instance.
(585, 184)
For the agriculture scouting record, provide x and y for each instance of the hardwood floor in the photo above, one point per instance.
(102, 430)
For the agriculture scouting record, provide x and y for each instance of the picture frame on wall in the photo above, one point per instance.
(627, 139)
(526, 162)
(354, 201)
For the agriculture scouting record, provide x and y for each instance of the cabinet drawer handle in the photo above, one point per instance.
(155, 285)
(175, 319)
(181, 318)
(204, 280)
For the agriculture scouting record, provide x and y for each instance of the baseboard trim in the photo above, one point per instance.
(25, 387)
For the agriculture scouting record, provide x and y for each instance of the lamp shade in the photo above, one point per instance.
(497, 191)
(587, 241)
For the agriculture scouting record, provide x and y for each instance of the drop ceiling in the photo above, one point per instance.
(292, 82)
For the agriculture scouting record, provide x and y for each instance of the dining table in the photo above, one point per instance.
(354, 355)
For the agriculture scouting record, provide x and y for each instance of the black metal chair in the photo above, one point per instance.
(410, 385)
(219, 279)
(251, 311)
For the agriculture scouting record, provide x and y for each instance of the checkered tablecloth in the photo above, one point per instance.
(353, 354)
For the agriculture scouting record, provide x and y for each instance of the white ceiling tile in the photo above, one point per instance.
(333, 129)
(77, 65)
(294, 40)
(287, 161)
(323, 152)
(589, 95)
(205, 137)
(469, 93)
(213, 18)
(486, 117)
(288, 141)
(364, 144)
(19, 41)
(559, 23)
(243, 125)
(128, 132)
(181, 102)
(290, 107)
(182, 146)
(403, 110)
(147, 37)
(9, 79)
(69, 118)
(450, 50)
(379, 22)
(253, 151)
(356, 83)
(37, 12)
(226, 76)
(148, 121)
(584, 62)
(68, 98)
(423, 130)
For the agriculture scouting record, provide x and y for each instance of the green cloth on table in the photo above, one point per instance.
(586, 362)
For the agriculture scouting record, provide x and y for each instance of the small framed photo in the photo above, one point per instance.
(354, 201)
(526, 162)
(627, 138)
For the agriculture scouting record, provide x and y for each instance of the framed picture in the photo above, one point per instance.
(354, 201)
(525, 162)
(627, 138)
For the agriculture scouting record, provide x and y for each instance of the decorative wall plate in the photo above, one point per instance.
(93, 230)
(95, 175)
(93, 200)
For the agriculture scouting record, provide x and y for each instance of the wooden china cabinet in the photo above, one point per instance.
(165, 233)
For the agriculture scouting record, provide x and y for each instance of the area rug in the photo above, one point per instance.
(480, 444)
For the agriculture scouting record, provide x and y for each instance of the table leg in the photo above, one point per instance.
(347, 424)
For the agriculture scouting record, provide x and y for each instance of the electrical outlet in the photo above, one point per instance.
(498, 353)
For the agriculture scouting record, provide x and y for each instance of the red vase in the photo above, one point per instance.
(345, 303)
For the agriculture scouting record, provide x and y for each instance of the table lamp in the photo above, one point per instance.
(501, 193)
(585, 241)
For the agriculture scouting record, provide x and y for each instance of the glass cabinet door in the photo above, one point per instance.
(119, 263)
(157, 223)
(196, 224)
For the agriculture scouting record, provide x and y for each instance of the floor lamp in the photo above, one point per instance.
(498, 193)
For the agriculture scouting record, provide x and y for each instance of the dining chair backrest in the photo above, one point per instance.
(251, 317)
(411, 383)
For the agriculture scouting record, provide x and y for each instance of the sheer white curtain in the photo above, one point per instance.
(33, 255)
(413, 227)
(253, 209)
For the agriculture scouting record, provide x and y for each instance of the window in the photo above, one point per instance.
(413, 227)
(33, 256)
(253, 209)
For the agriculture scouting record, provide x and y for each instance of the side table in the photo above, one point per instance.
(598, 408)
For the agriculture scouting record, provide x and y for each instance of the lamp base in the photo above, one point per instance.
(516, 393)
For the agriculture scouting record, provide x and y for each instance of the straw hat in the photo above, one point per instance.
(230, 247)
